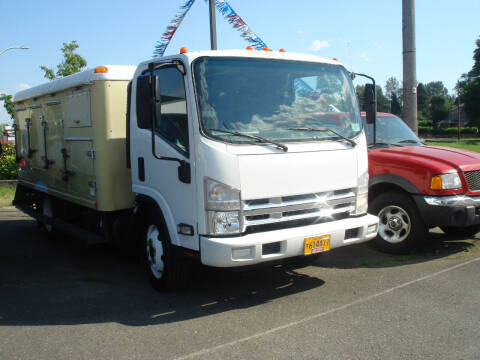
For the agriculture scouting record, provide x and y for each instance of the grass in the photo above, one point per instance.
(466, 144)
(7, 191)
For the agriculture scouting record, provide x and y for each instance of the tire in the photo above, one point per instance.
(166, 267)
(465, 231)
(400, 225)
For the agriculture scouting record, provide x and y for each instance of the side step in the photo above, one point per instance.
(87, 237)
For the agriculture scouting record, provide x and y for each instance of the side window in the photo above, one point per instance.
(172, 123)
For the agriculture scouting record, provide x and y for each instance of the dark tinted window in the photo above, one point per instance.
(172, 123)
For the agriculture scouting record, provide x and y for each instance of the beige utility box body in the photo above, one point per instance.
(71, 135)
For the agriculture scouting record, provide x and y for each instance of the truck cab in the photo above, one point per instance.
(247, 156)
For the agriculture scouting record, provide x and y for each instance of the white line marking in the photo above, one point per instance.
(316, 316)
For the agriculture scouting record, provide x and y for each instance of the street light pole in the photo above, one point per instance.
(13, 47)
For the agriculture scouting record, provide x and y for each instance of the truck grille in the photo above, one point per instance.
(473, 179)
(287, 211)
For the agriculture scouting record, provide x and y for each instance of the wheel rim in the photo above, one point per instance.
(47, 212)
(395, 225)
(155, 251)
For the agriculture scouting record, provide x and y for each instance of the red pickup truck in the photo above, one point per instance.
(414, 187)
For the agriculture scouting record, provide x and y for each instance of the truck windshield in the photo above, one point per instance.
(274, 99)
(391, 130)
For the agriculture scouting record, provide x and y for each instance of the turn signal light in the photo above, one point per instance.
(100, 69)
(436, 183)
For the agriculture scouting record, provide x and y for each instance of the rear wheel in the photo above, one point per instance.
(400, 226)
(466, 231)
(165, 265)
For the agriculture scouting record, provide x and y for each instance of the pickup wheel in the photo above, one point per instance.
(400, 226)
(166, 267)
(466, 231)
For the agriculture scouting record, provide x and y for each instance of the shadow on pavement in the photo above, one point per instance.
(438, 245)
(52, 282)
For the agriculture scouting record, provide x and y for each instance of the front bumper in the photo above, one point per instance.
(456, 210)
(278, 244)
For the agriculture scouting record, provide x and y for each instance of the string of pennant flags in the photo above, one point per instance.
(228, 13)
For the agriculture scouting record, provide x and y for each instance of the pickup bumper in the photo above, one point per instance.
(456, 210)
(278, 244)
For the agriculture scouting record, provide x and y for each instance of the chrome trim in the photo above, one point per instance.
(78, 139)
(456, 200)
(297, 207)
(52, 102)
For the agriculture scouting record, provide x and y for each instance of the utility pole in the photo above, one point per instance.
(409, 65)
(213, 27)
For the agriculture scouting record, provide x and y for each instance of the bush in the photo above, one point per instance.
(8, 164)
(447, 132)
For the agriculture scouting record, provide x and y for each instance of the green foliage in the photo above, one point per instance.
(448, 132)
(439, 106)
(469, 87)
(8, 104)
(424, 122)
(383, 104)
(8, 165)
(71, 64)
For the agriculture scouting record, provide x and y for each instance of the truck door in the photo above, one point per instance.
(159, 177)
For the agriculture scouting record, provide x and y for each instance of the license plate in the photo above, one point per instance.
(316, 244)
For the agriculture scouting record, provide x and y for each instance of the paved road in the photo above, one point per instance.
(59, 301)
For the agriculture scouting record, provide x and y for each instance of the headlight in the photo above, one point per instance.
(361, 203)
(445, 182)
(222, 203)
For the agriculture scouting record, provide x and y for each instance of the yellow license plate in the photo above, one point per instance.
(316, 244)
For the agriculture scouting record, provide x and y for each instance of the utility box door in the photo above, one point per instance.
(79, 112)
(81, 168)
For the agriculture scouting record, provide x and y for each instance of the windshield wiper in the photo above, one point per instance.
(409, 141)
(350, 141)
(381, 144)
(256, 137)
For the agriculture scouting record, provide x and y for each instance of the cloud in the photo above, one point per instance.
(318, 44)
(22, 86)
(364, 56)
(378, 45)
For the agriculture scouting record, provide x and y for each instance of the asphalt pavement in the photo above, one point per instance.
(59, 300)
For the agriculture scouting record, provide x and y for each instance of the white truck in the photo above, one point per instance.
(232, 158)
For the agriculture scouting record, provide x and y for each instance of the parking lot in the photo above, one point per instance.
(59, 300)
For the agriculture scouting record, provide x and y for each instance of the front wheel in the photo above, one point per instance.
(400, 226)
(166, 267)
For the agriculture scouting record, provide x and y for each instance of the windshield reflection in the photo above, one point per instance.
(268, 98)
(391, 130)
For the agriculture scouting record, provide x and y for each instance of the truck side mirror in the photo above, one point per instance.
(370, 103)
(144, 102)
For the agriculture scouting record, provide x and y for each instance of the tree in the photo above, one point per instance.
(395, 94)
(469, 87)
(439, 106)
(423, 100)
(71, 64)
(8, 104)
(383, 104)
(436, 88)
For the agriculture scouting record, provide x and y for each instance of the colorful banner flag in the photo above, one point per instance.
(174, 24)
(238, 23)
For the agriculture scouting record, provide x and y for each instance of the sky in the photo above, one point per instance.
(365, 35)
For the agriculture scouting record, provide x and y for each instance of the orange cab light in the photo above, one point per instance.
(249, 47)
(100, 69)
(183, 50)
(436, 183)
(335, 59)
(266, 48)
(282, 50)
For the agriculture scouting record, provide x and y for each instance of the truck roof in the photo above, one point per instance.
(114, 72)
